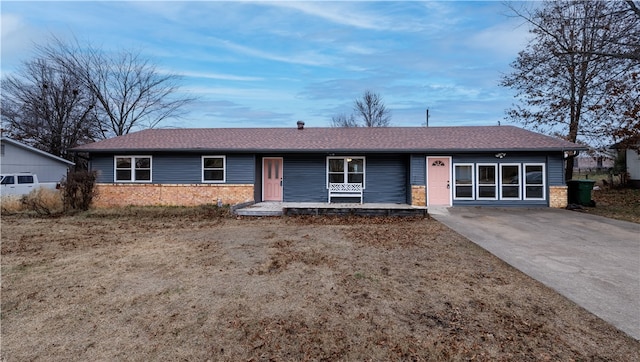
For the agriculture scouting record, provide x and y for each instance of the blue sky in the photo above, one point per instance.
(269, 64)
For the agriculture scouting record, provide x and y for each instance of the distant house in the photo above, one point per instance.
(497, 165)
(630, 148)
(16, 157)
(593, 161)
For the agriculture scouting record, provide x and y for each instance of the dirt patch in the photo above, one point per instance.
(178, 285)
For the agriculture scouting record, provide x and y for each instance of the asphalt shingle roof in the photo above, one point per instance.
(390, 139)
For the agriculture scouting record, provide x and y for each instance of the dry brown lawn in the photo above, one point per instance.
(174, 284)
(621, 204)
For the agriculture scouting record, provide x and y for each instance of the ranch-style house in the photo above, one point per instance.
(420, 166)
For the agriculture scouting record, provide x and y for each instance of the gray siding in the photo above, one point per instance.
(305, 178)
(240, 169)
(418, 174)
(555, 170)
(103, 166)
(180, 169)
(183, 169)
(509, 158)
(17, 160)
(386, 179)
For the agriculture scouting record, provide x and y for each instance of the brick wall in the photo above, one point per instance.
(114, 195)
(558, 196)
(418, 195)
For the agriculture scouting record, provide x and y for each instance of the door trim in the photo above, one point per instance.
(427, 177)
(263, 181)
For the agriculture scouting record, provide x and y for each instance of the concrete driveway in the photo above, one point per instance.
(592, 260)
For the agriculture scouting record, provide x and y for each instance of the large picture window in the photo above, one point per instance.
(213, 168)
(346, 170)
(499, 181)
(487, 182)
(133, 168)
(463, 182)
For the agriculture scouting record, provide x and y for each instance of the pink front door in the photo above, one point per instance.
(438, 181)
(272, 179)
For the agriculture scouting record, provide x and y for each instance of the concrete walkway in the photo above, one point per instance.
(592, 260)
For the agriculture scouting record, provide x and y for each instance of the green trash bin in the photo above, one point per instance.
(580, 192)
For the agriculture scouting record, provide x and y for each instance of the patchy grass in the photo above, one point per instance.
(190, 284)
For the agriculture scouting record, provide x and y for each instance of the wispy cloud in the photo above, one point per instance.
(219, 76)
(304, 57)
(505, 39)
(342, 13)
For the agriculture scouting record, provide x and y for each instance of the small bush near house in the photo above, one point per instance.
(79, 190)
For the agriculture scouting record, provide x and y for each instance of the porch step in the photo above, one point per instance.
(259, 211)
(358, 211)
(294, 208)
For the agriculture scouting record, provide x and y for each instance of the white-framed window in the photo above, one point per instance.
(499, 181)
(463, 181)
(510, 181)
(534, 181)
(214, 169)
(347, 170)
(487, 181)
(132, 168)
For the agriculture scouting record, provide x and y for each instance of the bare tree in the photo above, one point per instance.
(369, 111)
(48, 108)
(372, 111)
(342, 120)
(131, 92)
(634, 7)
(562, 82)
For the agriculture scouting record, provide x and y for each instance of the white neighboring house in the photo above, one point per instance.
(631, 149)
(16, 158)
(633, 166)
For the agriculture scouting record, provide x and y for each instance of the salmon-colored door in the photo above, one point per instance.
(439, 181)
(272, 179)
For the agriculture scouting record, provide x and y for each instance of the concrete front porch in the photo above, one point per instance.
(318, 208)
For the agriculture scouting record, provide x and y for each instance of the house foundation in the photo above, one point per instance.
(117, 195)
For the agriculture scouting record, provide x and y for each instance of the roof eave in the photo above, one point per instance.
(333, 150)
